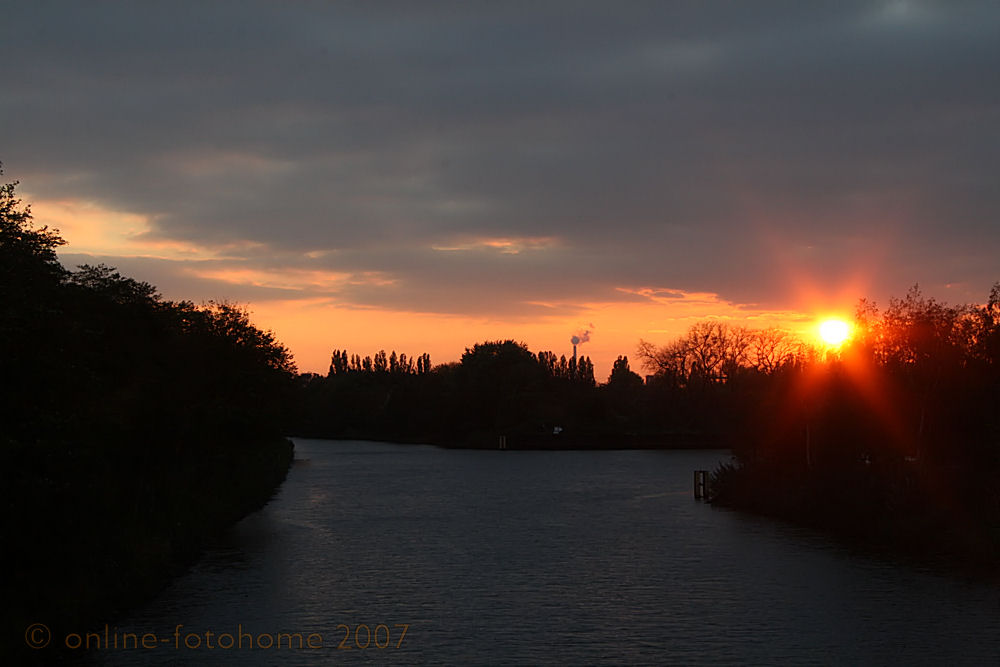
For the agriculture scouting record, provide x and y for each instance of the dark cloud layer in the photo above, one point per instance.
(703, 146)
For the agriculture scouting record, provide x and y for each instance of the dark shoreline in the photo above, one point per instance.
(542, 441)
(941, 558)
(78, 582)
(955, 541)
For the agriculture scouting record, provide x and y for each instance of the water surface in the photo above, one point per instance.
(543, 558)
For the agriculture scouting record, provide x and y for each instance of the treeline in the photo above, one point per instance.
(714, 352)
(133, 428)
(498, 388)
(533, 400)
(703, 384)
(893, 439)
(341, 363)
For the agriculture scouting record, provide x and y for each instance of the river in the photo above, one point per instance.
(375, 553)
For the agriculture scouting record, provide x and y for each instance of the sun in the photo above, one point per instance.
(834, 331)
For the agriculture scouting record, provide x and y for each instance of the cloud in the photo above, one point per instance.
(515, 158)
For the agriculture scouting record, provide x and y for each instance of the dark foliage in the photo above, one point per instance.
(131, 428)
(895, 439)
(498, 388)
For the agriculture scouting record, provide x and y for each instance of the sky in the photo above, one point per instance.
(422, 176)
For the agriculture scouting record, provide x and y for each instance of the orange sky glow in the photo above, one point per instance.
(368, 177)
(312, 326)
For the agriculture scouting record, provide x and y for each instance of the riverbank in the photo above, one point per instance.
(94, 529)
(945, 520)
(545, 441)
(587, 441)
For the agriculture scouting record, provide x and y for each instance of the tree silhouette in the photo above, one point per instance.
(162, 419)
(338, 363)
(380, 363)
(622, 376)
(27, 254)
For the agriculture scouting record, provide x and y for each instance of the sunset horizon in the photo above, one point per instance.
(428, 176)
(513, 333)
(312, 325)
(298, 306)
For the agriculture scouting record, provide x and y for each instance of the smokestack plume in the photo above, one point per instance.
(580, 339)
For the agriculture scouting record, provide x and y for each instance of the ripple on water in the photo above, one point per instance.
(551, 557)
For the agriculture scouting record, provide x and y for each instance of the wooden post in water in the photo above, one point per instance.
(503, 442)
(701, 484)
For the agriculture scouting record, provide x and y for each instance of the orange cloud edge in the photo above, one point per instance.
(312, 324)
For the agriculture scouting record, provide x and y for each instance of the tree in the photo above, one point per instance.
(986, 336)
(20, 241)
(165, 419)
(547, 360)
(914, 331)
(113, 286)
(338, 363)
(29, 267)
(585, 372)
(709, 352)
(381, 362)
(622, 376)
(231, 324)
(771, 349)
(499, 378)
(423, 364)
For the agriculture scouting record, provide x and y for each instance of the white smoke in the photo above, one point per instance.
(583, 337)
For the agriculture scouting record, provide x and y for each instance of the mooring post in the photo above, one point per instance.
(701, 484)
